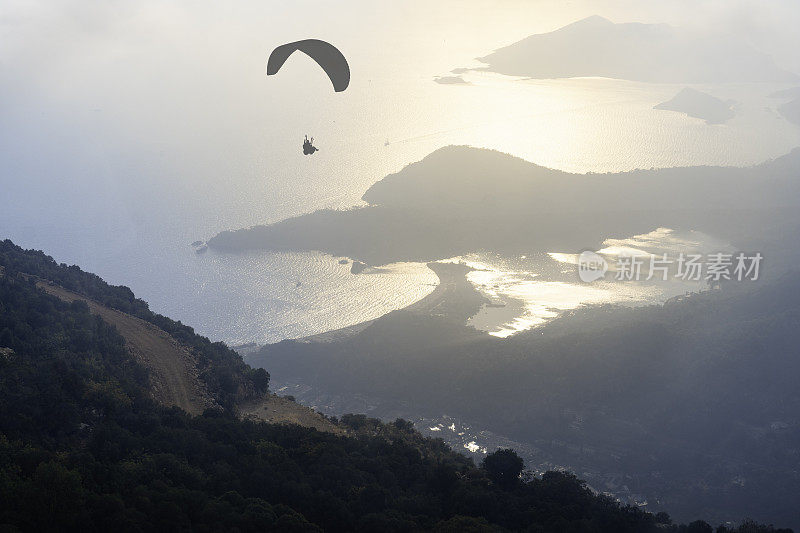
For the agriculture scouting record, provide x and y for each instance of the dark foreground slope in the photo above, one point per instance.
(220, 370)
(83, 446)
(692, 406)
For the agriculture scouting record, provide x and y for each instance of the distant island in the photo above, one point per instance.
(698, 104)
(451, 80)
(659, 53)
(459, 199)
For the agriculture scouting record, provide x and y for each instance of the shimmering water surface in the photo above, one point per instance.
(527, 291)
(128, 134)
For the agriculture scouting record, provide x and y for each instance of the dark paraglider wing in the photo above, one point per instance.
(325, 54)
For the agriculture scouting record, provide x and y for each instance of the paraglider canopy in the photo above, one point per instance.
(325, 54)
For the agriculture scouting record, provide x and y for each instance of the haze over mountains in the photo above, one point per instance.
(128, 133)
(647, 396)
(659, 53)
(91, 441)
(691, 406)
(459, 200)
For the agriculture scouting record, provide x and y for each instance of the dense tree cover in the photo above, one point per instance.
(83, 447)
(222, 369)
(693, 404)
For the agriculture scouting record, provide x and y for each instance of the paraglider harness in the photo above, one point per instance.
(308, 146)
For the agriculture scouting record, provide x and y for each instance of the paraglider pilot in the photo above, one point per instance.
(308, 146)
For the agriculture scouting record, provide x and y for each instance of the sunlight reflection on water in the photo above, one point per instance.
(183, 164)
(528, 291)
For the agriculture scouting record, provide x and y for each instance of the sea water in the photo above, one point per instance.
(123, 143)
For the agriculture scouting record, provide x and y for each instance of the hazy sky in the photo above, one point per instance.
(130, 129)
(114, 98)
(196, 64)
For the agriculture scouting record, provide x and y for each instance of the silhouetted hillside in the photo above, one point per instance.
(222, 370)
(84, 448)
(699, 105)
(459, 200)
(694, 404)
(660, 53)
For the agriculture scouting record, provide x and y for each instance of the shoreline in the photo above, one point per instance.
(454, 299)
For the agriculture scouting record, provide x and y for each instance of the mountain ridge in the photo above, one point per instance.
(461, 199)
(656, 53)
(84, 447)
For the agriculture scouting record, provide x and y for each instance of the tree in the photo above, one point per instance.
(663, 518)
(260, 378)
(503, 467)
(699, 526)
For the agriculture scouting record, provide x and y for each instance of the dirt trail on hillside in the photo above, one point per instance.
(173, 369)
